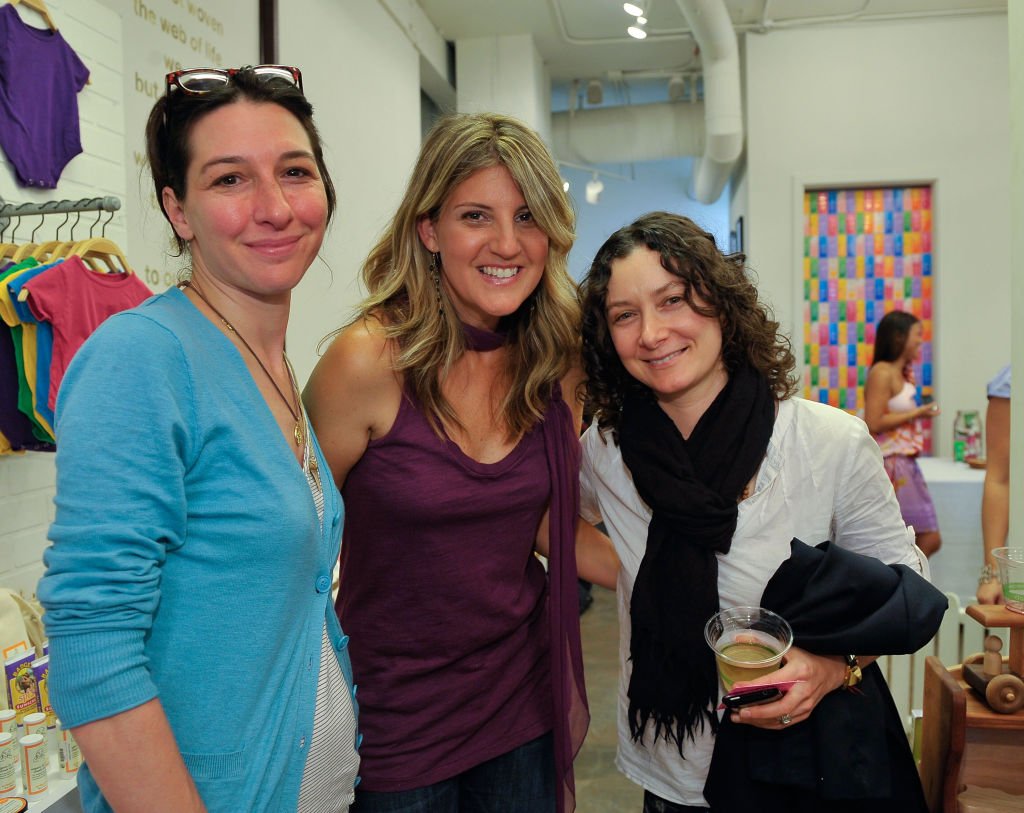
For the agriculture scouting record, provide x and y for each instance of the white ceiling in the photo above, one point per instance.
(582, 39)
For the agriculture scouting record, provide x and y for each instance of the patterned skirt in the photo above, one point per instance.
(912, 493)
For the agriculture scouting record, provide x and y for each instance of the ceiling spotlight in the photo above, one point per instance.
(636, 32)
(595, 92)
(635, 10)
(641, 20)
(676, 87)
(565, 185)
(594, 189)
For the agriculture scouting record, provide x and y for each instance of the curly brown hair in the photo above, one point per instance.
(720, 282)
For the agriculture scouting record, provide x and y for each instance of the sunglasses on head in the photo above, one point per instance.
(197, 81)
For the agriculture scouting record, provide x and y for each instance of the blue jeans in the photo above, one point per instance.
(521, 781)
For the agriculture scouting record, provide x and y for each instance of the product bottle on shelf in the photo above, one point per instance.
(967, 438)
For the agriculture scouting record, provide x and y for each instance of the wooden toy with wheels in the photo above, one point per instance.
(1000, 682)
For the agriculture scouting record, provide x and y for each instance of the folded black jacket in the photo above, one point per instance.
(852, 753)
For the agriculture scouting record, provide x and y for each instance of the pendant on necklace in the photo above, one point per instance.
(298, 433)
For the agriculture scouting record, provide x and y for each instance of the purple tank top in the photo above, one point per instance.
(445, 602)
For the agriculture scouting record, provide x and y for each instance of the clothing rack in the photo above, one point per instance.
(54, 207)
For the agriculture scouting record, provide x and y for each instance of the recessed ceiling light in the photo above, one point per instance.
(636, 32)
(641, 20)
(630, 8)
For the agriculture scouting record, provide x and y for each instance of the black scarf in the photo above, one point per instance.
(692, 487)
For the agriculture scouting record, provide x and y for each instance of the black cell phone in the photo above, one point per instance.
(751, 698)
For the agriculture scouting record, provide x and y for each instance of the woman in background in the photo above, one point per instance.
(194, 651)
(448, 417)
(892, 414)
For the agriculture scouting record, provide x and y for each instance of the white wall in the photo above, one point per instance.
(504, 74)
(362, 75)
(903, 102)
(1016, 298)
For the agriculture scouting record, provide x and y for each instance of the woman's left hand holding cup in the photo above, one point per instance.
(817, 675)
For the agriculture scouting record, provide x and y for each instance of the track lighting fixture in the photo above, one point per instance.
(594, 189)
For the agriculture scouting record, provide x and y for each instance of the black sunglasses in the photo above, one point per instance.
(197, 81)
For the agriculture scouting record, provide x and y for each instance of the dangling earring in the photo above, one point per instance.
(435, 273)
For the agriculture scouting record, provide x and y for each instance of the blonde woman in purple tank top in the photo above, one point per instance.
(892, 414)
(440, 409)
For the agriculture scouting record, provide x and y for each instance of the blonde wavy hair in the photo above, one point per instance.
(544, 333)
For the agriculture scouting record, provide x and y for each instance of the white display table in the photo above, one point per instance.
(956, 492)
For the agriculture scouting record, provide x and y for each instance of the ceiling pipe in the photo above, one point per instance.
(712, 129)
(723, 115)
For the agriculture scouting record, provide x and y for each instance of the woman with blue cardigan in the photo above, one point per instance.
(194, 650)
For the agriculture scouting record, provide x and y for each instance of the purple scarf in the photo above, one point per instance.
(572, 716)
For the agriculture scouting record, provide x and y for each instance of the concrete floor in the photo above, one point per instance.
(600, 788)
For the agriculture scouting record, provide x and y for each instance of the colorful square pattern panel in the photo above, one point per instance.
(866, 252)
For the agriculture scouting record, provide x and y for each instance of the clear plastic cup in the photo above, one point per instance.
(1010, 562)
(748, 642)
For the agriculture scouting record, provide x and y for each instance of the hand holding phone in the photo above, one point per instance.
(755, 695)
(734, 702)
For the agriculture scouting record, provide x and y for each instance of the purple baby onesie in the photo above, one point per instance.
(40, 77)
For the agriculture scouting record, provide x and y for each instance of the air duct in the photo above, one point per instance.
(712, 130)
(723, 115)
(640, 132)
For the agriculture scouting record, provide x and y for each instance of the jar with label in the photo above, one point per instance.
(8, 772)
(70, 758)
(9, 725)
(34, 764)
(967, 439)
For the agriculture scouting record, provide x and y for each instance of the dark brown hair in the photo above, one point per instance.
(720, 282)
(891, 335)
(175, 114)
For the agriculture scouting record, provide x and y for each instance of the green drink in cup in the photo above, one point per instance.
(748, 642)
(1011, 576)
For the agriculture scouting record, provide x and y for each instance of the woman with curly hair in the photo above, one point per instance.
(448, 414)
(706, 471)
